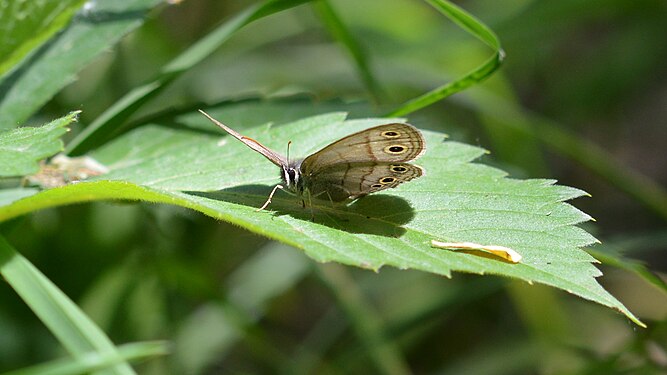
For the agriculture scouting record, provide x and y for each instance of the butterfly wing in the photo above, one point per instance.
(273, 156)
(342, 181)
(389, 143)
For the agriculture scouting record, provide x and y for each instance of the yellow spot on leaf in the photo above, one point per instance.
(503, 252)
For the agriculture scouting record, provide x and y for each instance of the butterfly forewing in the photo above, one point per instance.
(381, 144)
(273, 156)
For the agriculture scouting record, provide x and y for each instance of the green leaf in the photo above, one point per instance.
(78, 334)
(24, 25)
(92, 32)
(457, 201)
(21, 149)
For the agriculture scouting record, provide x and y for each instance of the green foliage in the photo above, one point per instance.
(74, 330)
(91, 362)
(458, 202)
(226, 299)
(28, 24)
(477, 75)
(34, 82)
(112, 118)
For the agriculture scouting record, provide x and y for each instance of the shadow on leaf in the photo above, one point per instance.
(378, 214)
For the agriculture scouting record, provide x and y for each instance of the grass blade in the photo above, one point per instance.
(55, 65)
(340, 32)
(477, 75)
(73, 329)
(94, 361)
(99, 130)
(368, 326)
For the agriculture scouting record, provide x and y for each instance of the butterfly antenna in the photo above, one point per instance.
(289, 143)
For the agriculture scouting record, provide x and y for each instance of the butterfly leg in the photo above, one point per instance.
(331, 200)
(268, 201)
(310, 204)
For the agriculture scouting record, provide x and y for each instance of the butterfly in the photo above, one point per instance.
(362, 163)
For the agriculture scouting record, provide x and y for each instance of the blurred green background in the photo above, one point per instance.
(581, 97)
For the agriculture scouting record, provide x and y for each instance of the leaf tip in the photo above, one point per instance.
(501, 55)
(370, 266)
(73, 116)
(630, 316)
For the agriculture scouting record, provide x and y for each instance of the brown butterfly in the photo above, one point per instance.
(362, 163)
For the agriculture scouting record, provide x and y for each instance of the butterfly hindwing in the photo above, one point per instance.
(352, 180)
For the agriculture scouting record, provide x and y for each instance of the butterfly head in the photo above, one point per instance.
(292, 177)
(292, 173)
